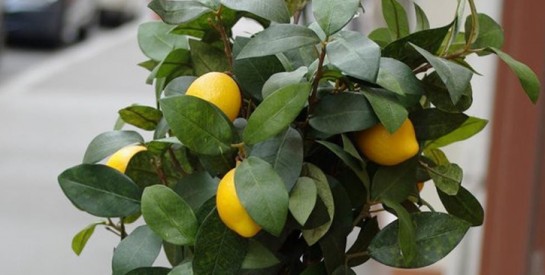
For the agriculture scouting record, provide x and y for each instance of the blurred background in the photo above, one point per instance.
(67, 66)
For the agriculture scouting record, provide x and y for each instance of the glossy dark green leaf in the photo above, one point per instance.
(175, 254)
(436, 235)
(422, 22)
(343, 112)
(437, 156)
(399, 78)
(528, 79)
(183, 269)
(206, 58)
(312, 236)
(175, 62)
(276, 113)
(218, 250)
(282, 79)
(139, 249)
(356, 165)
(100, 190)
(469, 128)
(199, 125)
(490, 32)
(388, 110)
(406, 234)
(433, 123)
(177, 12)
(367, 232)
(381, 36)
(179, 85)
(258, 256)
(455, 76)
(274, 10)
(143, 117)
(149, 271)
(343, 270)
(396, 18)
(263, 194)
(142, 169)
(277, 39)
(438, 94)
(355, 55)
(156, 41)
(285, 153)
(219, 164)
(430, 40)
(197, 188)
(303, 199)
(394, 183)
(108, 143)
(168, 215)
(447, 177)
(334, 15)
(80, 239)
(464, 206)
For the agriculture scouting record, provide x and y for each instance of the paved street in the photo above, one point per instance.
(52, 103)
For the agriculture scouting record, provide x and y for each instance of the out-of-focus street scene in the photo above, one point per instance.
(62, 86)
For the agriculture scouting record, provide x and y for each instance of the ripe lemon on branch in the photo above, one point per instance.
(385, 148)
(219, 89)
(231, 211)
(120, 159)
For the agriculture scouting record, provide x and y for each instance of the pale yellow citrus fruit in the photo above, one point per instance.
(231, 211)
(219, 89)
(120, 159)
(385, 148)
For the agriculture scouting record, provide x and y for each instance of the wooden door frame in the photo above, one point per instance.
(516, 173)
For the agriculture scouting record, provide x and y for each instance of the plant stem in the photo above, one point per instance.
(474, 26)
(156, 162)
(427, 204)
(364, 213)
(175, 162)
(319, 73)
(218, 25)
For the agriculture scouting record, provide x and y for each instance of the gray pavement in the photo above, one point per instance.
(49, 112)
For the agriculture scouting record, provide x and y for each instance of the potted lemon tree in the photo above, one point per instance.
(267, 152)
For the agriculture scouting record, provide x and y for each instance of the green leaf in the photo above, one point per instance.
(334, 15)
(464, 206)
(285, 153)
(436, 235)
(397, 77)
(438, 94)
(277, 39)
(273, 10)
(396, 18)
(168, 215)
(139, 249)
(430, 40)
(390, 113)
(437, 156)
(175, 254)
(527, 77)
(179, 85)
(80, 239)
(469, 128)
(422, 22)
(455, 76)
(100, 190)
(156, 41)
(355, 54)
(108, 143)
(176, 62)
(447, 177)
(143, 117)
(219, 164)
(341, 113)
(199, 125)
(303, 199)
(490, 32)
(381, 36)
(263, 194)
(218, 250)
(258, 256)
(356, 165)
(276, 112)
(343, 270)
(406, 234)
(367, 232)
(430, 124)
(183, 269)
(178, 12)
(394, 183)
(312, 236)
(143, 171)
(149, 271)
(197, 188)
(282, 79)
(252, 73)
(206, 58)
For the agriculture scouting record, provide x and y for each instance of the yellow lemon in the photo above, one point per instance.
(120, 159)
(386, 148)
(231, 211)
(219, 89)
